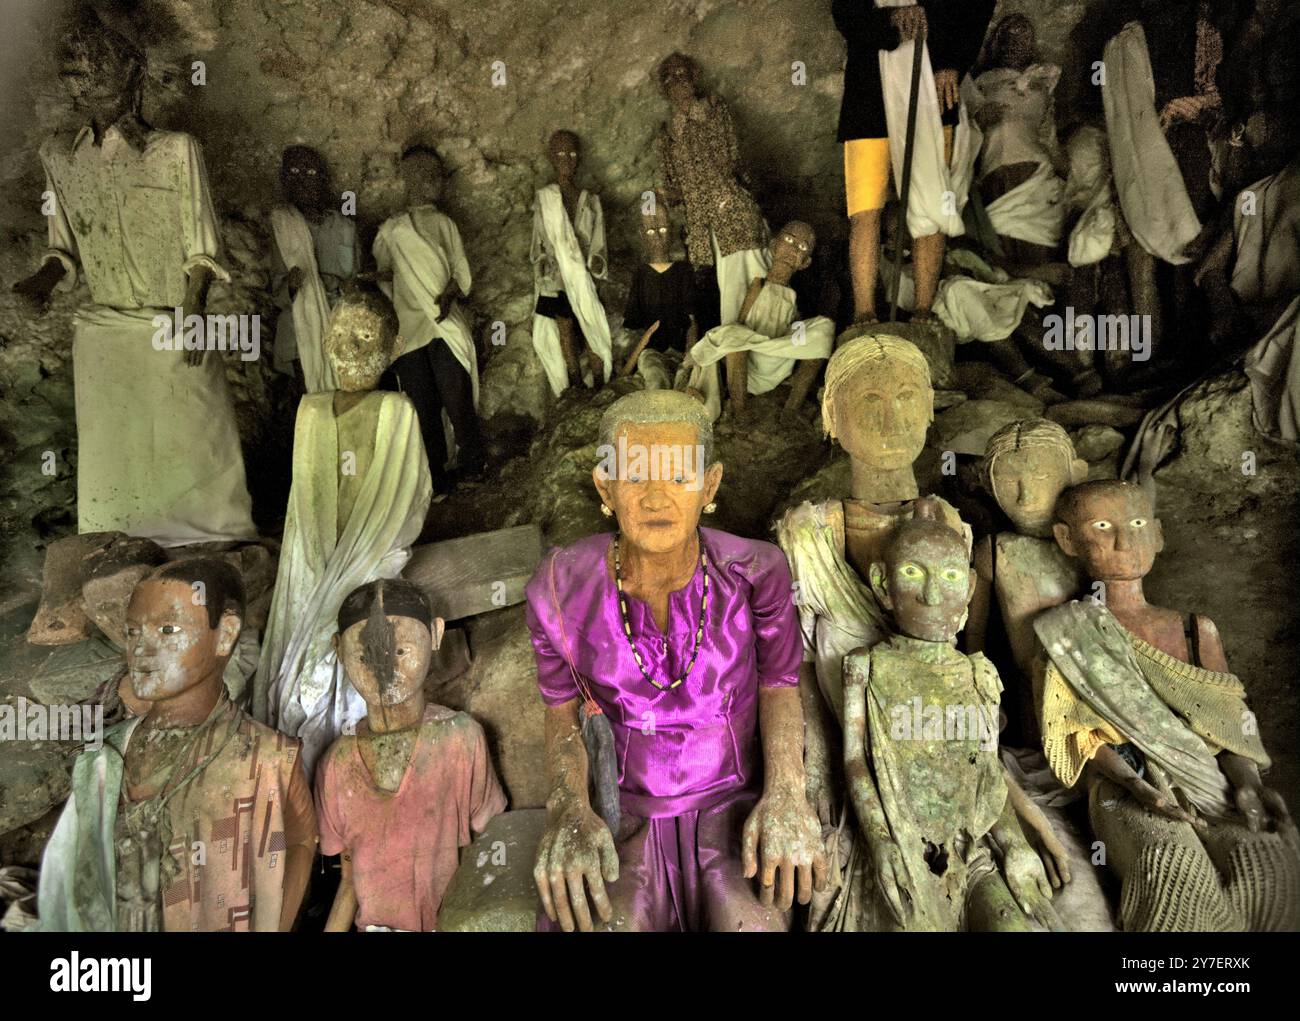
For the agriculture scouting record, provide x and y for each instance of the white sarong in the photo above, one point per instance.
(937, 190)
(1148, 182)
(772, 336)
(158, 452)
(301, 688)
(311, 309)
(559, 264)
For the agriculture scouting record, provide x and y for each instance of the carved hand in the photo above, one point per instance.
(1157, 802)
(576, 846)
(891, 877)
(945, 84)
(1261, 807)
(1184, 108)
(1027, 879)
(783, 834)
(910, 21)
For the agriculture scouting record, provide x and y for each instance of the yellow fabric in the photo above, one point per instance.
(866, 171)
(1072, 732)
(1212, 704)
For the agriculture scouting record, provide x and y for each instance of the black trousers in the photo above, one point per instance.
(433, 379)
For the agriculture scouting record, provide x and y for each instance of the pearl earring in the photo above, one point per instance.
(604, 509)
(710, 507)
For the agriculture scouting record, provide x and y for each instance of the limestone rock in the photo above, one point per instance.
(966, 428)
(493, 890)
(1097, 442)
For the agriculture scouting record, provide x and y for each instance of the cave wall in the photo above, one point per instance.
(361, 80)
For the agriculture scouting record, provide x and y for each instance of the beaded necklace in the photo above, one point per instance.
(627, 623)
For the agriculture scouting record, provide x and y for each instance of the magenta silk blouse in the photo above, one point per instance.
(696, 746)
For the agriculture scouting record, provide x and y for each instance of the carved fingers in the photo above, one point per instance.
(781, 843)
(910, 21)
(1027, 880)
(891, 877)
(575, 858)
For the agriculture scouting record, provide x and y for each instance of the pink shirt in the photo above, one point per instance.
(405, 843)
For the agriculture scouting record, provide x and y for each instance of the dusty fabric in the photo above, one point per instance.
(699, 155)
(1104, 685)
(938, 188)
(944, 790)
(1267, 268)
(247, 803)
(405, 844)
(1082, 903)
(341, 531)
(735, 272)
(310, 312)
(158, 450)
(1148, 181)
(1176, 880)
(989, 303)
(559, 264)
(774, 338)
(336, 258)
(423, 249)
(668, 298)
(1088, 188)
(1273, 368)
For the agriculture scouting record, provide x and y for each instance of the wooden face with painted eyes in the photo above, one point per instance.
(1113, 531)
(171, 645)
(926, 581)
(793, 246)
(360, 344)
(656, 235)
(564, 152)
(1027, 481)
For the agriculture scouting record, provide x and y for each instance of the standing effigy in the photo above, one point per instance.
(700, 159)
(361, 490)
(568, 257)
(158, 450)
(315, 255)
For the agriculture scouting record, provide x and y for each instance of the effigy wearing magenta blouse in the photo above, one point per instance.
(694, 747)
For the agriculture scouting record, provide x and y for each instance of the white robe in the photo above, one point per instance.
(1267, 268)
(158, 450)
(1148, 181)
(773, 336)
(311, 308)
(1033, 210)
(301, 688)
(559, 265)
(937, 190)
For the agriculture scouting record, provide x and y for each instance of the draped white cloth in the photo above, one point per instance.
(424, 251)
(559, 265)
(774, 338)
(158, 449)
(311, 308)
(301, 688)
(937, 191)
(1088, 188)
(1267, 268)
(1148, 182)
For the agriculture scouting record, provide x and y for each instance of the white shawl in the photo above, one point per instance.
(311, 309)
(301, 688)
(558, 264)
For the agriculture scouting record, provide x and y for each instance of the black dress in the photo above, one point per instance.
(668, 297)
